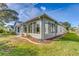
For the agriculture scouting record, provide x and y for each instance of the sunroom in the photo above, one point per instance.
(41, 27)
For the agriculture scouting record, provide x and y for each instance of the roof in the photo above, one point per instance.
(43, 14)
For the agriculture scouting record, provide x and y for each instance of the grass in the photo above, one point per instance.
(68, 45)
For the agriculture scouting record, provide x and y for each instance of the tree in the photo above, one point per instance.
(7, 14)
(3, 6)
(67, 25)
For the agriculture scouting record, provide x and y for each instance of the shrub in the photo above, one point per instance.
(1, 31)
(4, 32)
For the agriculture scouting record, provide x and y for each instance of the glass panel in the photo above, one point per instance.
(46, 28)
(34, 27)
(38, 29)
(18, 29)
(25, 28)
(31, 28)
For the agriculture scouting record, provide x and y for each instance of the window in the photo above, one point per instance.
(51, 27)
(25, 28)
(56, 29)
(34, 27)
(38, 29)
(31, 28)
(46, 27)
(60, 29)
(18, 29)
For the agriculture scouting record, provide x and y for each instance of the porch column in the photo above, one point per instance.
(42, 29)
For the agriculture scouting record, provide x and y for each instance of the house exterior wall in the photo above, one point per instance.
(35, 35)
(47, 33)
(61, 30)
(21, 30)
(44, 29)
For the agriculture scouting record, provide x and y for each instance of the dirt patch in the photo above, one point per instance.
(29, 39)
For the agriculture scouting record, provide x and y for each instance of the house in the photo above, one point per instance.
(76, 30)
(41, 27)
(18, 26)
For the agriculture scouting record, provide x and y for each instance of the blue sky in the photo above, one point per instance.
(58, 11)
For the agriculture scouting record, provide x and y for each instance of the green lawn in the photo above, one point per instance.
(68, 45)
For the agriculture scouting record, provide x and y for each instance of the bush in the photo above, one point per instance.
(1, 31)
(4, 32)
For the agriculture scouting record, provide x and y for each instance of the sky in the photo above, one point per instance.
(61, 12)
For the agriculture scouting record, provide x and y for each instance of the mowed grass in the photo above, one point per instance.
(68, 45)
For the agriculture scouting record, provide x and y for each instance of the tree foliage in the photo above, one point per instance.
(7, 14)
(67, 25)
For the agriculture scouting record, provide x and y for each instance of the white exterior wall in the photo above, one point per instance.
(35, 35)
(44, 32)
(42, 29)
(58, 30)
(47, 34)
(61, 30)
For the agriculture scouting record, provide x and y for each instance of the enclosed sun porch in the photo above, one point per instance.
(41, 27)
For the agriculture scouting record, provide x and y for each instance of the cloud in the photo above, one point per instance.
(25, 10)
(43, 8)
(68, 12)
(29, 13)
